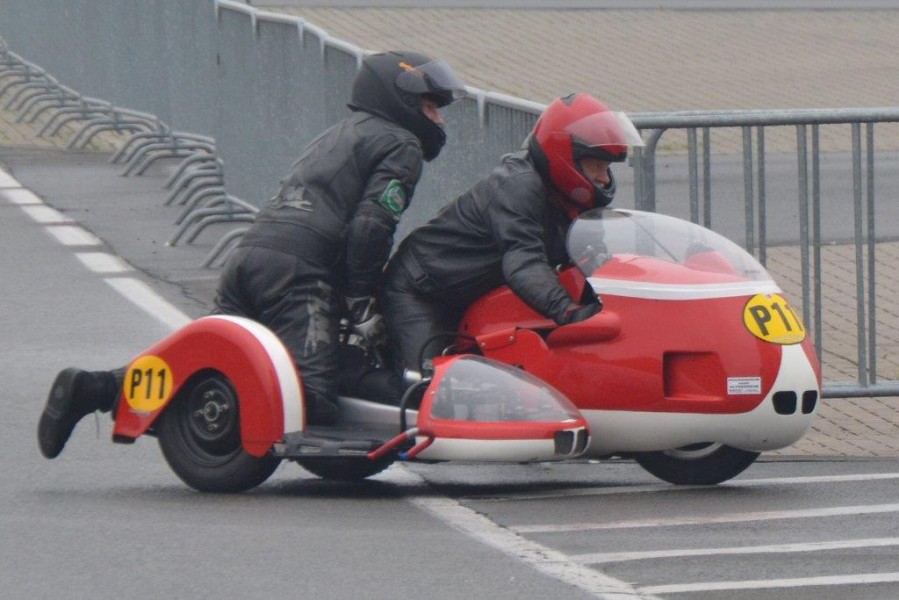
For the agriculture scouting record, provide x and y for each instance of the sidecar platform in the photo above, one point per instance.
(341, 440)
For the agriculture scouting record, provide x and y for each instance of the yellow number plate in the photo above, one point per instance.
(148, 383)
(771, 318)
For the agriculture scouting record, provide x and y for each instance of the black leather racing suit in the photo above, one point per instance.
(325, 235)
(504, 230)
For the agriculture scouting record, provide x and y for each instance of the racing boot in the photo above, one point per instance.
(74, 394)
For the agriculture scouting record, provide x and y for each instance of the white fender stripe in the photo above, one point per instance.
(291, 392)
(680, 291)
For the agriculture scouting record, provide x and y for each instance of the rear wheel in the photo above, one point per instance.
(199, 434)
(345, 469)
(697, 464)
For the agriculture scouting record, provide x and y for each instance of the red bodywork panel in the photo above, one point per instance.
(222, 345)
(638, 354)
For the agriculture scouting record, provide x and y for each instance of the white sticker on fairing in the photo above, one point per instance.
(744, 386)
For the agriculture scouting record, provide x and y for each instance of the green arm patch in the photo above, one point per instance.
(393, 198)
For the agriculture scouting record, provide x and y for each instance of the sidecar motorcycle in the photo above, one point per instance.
(696, 364)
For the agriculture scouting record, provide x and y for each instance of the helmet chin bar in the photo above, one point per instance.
(583, 198)
(433, 141)
(605, 194)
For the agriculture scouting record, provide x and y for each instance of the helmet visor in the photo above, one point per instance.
(605, 129)
(434, 77)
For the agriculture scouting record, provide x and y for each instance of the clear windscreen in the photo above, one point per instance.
(599, 235)
(478, 389)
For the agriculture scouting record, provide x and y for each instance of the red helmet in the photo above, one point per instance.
(570, 129)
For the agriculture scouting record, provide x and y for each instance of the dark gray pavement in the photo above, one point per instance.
(127, 213)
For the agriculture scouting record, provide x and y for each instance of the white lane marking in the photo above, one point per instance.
(761, 584)
(664, 487)
(137, 292)
(45, 215)
(545, 560)
(73, 235)
(140, 294)
(836, 511)
(101, 262)
(611, 557)
(8, 181)
(20, 196)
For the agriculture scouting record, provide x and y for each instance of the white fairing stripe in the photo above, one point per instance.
(291, 392)
(758, 430)
(680, 291)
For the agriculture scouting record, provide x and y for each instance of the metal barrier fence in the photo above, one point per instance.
(812, 246)
(237, 92)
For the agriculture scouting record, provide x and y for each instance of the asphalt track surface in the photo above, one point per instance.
(106, 521)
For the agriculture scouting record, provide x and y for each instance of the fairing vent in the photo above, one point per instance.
(809, 401)
(570, 443)
(785, 403)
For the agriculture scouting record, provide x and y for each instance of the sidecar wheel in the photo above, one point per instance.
(344, 469)
(697, 464)
(199, 434)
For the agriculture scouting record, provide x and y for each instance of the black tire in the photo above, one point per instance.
(345, 469)
(199, 434)
(698, 464)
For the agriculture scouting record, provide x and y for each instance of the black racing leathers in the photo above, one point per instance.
(325, 235)
(339, 206)
(504, 230)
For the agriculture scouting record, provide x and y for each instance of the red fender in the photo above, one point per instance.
(247, 353)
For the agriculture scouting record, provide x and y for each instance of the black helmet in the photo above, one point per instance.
(391, 85)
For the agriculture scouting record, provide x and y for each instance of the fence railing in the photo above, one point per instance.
(809, 200)
(236, 93)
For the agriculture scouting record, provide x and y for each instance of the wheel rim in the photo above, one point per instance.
(694, 451)
(209, 424)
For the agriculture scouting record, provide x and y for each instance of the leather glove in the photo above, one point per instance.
(579, 312)
(365, 321)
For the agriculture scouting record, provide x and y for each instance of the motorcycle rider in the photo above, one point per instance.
(509, 228)
(316, 252)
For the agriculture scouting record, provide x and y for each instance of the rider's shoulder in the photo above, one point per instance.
(517, 173)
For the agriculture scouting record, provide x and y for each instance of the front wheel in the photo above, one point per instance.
(199, 434)
(697, 464)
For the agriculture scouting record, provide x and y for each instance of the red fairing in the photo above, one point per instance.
(501, 309)
(222, 344)
(668, 355)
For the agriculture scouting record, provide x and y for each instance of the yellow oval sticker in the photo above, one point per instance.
(771, 318)
(148, 383)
